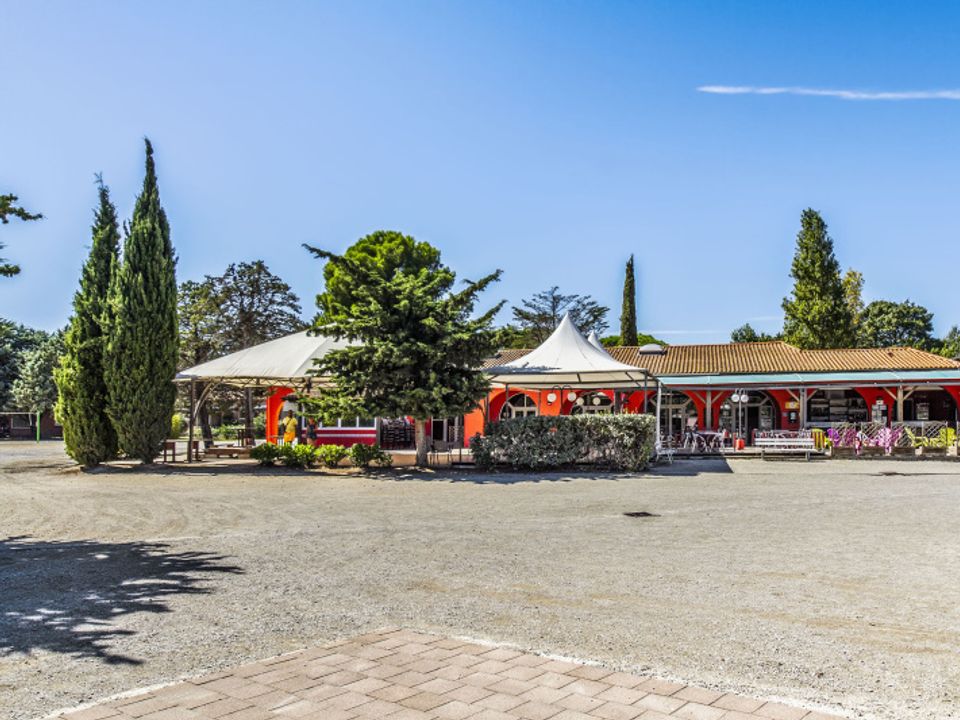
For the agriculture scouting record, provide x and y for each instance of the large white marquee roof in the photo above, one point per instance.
(285, 361)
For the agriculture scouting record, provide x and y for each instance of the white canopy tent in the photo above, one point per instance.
(287, 361)
(568, 358)
(595, 341)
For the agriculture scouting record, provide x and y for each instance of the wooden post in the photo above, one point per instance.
(709, 411)
(900, 403)
(193, 402)
(803, 408)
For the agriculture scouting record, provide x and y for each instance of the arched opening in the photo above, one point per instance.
(677, 413)
(520, 405)
(926, 405)
(842, 405)
(592, 403)
(759, 412)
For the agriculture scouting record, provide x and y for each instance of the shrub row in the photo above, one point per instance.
(621, 442)
(305, 456)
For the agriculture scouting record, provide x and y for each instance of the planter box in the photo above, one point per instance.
(904, 451)
(933, 451)
(871, 451)
(843, 452)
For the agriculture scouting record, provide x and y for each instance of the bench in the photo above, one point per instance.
(786, 445)
(170, 447)
(232, 451)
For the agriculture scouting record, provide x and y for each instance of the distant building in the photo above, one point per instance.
(23, 425)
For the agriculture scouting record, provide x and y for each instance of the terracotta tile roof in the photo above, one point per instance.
(766, 357)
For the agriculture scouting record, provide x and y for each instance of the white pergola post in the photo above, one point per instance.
(659, 391)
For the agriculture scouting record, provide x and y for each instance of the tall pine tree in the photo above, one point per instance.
(628, 312)
(141, 356)
(81, 408)
(817, 314)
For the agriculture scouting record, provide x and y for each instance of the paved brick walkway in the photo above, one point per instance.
(404, 675)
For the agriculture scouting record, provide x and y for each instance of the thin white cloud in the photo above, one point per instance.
(684, 332)
(826, 92)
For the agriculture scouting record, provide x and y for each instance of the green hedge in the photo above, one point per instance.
(621, 442)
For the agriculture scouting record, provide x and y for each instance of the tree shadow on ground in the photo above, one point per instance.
(506, 476)
(66, 596)
(440, 473)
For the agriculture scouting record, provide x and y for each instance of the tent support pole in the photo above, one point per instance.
(193, 403)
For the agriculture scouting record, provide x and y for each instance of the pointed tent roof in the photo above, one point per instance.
(285, 361)
(595, 341)
(567, 358)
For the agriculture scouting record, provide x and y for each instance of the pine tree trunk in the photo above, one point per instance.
(206, 431)
(420, 435)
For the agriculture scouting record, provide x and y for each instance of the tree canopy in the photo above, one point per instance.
(34, 389)
(15, 341)
(891, 324)
(745, 333)
(420, 344)
(538, 316)
(244, 306)
(8, 209)
(950, 345)
(816, 314)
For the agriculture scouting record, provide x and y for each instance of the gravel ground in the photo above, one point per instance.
(831, 583)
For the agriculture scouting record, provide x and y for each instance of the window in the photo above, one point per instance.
(592, 403)
(521, 405)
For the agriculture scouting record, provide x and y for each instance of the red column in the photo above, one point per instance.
(782, 397)
(954, 392)
(274, 403)
(716, 405)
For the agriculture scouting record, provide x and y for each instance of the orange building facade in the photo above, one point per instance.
(777, 387)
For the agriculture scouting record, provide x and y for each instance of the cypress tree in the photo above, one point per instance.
(628, 312)
(817, 314)
(141, 353)
(81, 408)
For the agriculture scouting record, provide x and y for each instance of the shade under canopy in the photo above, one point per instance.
(287, 361)
(567, 358)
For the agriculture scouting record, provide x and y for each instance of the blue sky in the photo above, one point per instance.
(547, 139)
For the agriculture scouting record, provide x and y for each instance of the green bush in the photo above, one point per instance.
(265, 453)
(176, 425)
(298, 456)
(621, 442)
(226, 432)
(365, 455)
(260, 426)
(331, 455)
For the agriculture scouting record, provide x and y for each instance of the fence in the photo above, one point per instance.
(932, 434)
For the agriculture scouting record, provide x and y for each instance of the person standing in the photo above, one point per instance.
(289, 428)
